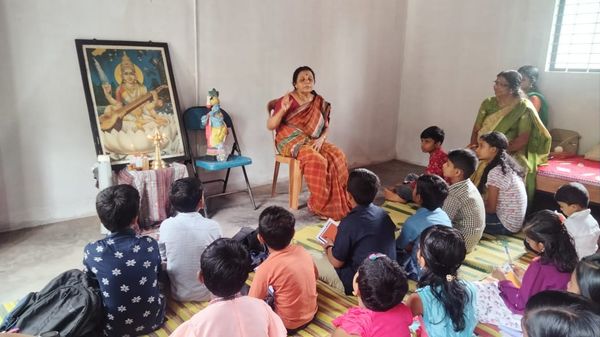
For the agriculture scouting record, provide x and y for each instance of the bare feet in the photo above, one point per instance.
(391, 196)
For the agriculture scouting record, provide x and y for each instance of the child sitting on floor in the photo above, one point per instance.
(289, 271)
(464, 204)
(430, 193)
(503, 303)
(585, 280)
(431, 142)
(224, 269)
(126, 266)
(502, 186)
(380, 285)
(445, 305)
(183, 238)
(560, 314)
(366, 229)
(573, 199)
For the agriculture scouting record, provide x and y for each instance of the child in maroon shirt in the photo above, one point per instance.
(431, 142)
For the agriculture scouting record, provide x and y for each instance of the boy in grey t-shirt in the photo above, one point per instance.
(183, 238)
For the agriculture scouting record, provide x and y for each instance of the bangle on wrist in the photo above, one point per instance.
(328, 246)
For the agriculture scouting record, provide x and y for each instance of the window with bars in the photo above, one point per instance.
(575, 44)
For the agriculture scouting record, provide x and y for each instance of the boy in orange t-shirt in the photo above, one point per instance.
(289, 272)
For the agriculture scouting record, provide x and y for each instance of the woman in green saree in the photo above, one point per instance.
(511, 113)
(529, 86)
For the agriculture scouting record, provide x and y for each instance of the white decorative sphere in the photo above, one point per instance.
(558, 149)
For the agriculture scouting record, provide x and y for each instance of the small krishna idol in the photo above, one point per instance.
(215, 127)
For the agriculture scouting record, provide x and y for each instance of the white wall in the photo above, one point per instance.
(248, 51)
(354, 47)
(46, 147)
(452, 53)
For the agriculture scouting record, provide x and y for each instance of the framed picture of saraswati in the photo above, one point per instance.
(131, 95)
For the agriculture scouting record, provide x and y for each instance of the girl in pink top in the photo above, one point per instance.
(380, 285)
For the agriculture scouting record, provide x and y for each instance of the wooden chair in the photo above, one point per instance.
(294, 168)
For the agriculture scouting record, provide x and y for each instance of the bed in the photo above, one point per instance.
(575, 169)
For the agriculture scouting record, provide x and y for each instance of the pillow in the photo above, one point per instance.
(593, 153)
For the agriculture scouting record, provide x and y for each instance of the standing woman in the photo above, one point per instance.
(301, 122)
(529, 86)
(511, 113)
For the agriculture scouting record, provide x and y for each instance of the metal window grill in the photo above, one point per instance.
(576, 37)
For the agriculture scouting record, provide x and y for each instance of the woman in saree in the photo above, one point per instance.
(301, 121)
(529, 86)
(511, 113)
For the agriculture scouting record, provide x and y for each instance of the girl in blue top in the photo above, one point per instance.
(447, 305)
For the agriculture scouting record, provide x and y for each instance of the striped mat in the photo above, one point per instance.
(488, 253)
(332, 303)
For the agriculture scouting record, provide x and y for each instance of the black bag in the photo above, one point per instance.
(247, 236)
(69, 304)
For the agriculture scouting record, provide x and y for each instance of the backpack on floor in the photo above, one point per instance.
(69, 304)
(247, 236)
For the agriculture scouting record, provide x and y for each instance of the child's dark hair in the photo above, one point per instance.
(276, 226)
(464, 160)
(573, 194)
(554, 313)
(443, 249)
(546, 227)
(381, 282)
(433, 190)
(186, 194)
(435, 133)
(587, 274)
(363, 186)
(225, 264)
(499, 141)
(117, 206)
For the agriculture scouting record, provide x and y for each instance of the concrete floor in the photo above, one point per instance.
(32, 257)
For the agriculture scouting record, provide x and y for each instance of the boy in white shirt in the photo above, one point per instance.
(573, 199)
(183, 238)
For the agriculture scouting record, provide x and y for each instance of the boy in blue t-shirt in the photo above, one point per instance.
(365, 230)
(126, 267)
(430, 193)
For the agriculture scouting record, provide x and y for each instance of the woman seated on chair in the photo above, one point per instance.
(301, 122)
(511, 113)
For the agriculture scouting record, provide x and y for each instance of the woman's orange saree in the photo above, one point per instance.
(325, 171)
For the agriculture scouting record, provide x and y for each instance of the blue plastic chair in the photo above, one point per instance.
(192, 122)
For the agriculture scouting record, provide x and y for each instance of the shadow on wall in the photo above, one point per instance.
(10, 143)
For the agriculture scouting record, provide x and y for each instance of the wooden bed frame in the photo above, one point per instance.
(551, 184)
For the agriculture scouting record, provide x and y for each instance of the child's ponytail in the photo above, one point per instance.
(499, 141)
(443, 249)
